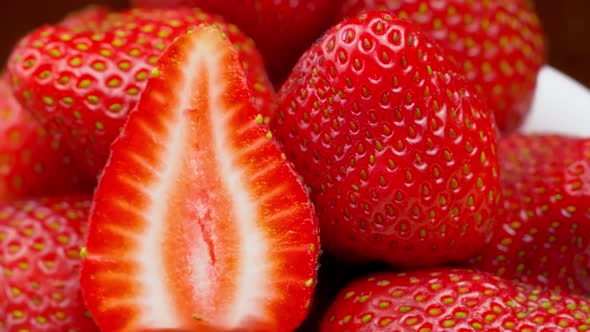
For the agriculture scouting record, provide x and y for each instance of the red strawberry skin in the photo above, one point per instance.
(498, 44)
(90, 16)
(398, 151)
(282, 29)
(40, 243)
(451, 300)
(541, 237)
(82, 82)
(33, 161)
(199, 223)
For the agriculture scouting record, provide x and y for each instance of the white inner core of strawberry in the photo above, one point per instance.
(252, 242)
(205, 64)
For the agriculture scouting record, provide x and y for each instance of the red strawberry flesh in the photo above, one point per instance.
(198, 221)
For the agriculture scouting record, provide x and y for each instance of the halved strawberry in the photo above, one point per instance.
(89, 17)
(199, 223)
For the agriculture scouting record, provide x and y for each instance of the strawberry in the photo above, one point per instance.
(40, 241)
(332, 277)
(32, 161)
(199, 223)
(398, 150)
(542, 234)
(88, 17)
(498, 44)
(452, 300)
(83, 82)
(282, 29)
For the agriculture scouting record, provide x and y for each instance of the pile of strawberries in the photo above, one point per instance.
(307, 165)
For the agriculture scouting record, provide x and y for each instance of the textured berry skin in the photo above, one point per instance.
(499, 45)
(40, 243)
(542, 234)
(282, 29)
(199, 223)
(33, 161)
(398, 151)
(82, 82)
(89, 17)
(452, 300)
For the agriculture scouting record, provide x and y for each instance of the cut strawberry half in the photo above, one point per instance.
(199, 223)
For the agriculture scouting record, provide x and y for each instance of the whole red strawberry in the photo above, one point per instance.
(32, 161)
(398, 151)
(40, 243)
(82, 82)
(452, 300)
(498, 44)
(542, 234)
(199, 223)
(282, 29)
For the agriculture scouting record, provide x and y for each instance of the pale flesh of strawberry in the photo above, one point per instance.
(199, 223)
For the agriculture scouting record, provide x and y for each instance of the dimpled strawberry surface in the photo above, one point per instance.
(291, 166)
(40, 241)
(398, 150)
(199, 222)
(82, 77)
(540, 237)
(498, 45)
